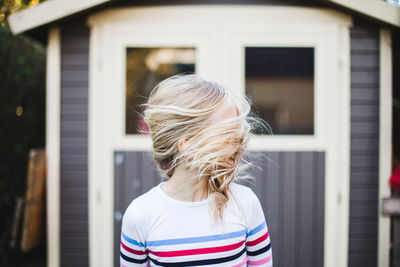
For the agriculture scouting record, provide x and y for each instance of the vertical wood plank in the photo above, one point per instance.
(305, 208)
(319, 204)
(74, 225)
(364, 146)
(119, 199)
(270, 201)
(288, 199)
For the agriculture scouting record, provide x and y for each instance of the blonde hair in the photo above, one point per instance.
(183, 106)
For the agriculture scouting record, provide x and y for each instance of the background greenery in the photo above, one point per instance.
(22, 124)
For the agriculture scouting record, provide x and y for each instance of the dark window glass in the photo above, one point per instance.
(280, 81)
(145, 68)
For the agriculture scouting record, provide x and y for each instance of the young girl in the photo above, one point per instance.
(199, 216)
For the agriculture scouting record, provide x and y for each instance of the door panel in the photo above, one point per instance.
(290, 186)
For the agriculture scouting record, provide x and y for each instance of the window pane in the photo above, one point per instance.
(145, 68)
(280, 81)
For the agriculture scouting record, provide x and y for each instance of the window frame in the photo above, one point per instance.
(289, 35)
(148, 36)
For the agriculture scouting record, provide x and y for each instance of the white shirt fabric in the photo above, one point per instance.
(158, 230)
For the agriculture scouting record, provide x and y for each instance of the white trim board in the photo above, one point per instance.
(52, 10)
(376, 9)
(385, 143)
(48, 11)
(53, 74)
(212, 29)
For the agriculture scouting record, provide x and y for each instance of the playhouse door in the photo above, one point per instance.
(289, 69)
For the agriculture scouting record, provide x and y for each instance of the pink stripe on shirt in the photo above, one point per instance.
(197, 251)
(259, 262)
(241, 263)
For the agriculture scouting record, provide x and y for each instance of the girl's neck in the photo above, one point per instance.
(182, 187)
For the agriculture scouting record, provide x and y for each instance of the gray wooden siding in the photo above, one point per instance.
(74, 139)
(363, 228)
(290, 186)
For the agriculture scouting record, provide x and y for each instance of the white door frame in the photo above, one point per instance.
(208, 28)
(53, 144)
(385, 142)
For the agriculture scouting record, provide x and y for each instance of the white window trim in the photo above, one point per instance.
(107, 46)
(53, 74)
(385, 143)
(288, 36)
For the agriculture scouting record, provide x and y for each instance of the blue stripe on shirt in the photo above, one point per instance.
(133, 241)
(196, 239)
(257, 229)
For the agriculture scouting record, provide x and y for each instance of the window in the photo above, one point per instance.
(280, 81)
(145, 68)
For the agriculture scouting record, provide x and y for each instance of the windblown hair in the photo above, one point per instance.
(184, 106)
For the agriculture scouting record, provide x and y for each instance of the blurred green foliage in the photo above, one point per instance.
(22, 104)
(22, 114)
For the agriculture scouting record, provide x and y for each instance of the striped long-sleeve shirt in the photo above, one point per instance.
(158, 230)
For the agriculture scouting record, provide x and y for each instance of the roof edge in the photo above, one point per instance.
(47, 12)
(53, 10)
(377, 9)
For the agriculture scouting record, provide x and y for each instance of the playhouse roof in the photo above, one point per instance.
(55, 10)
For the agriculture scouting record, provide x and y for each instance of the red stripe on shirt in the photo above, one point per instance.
(196, 251)
(133, 251)
(258, 240)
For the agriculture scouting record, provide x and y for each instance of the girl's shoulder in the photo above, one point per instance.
(241, 191)
(141, 204)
